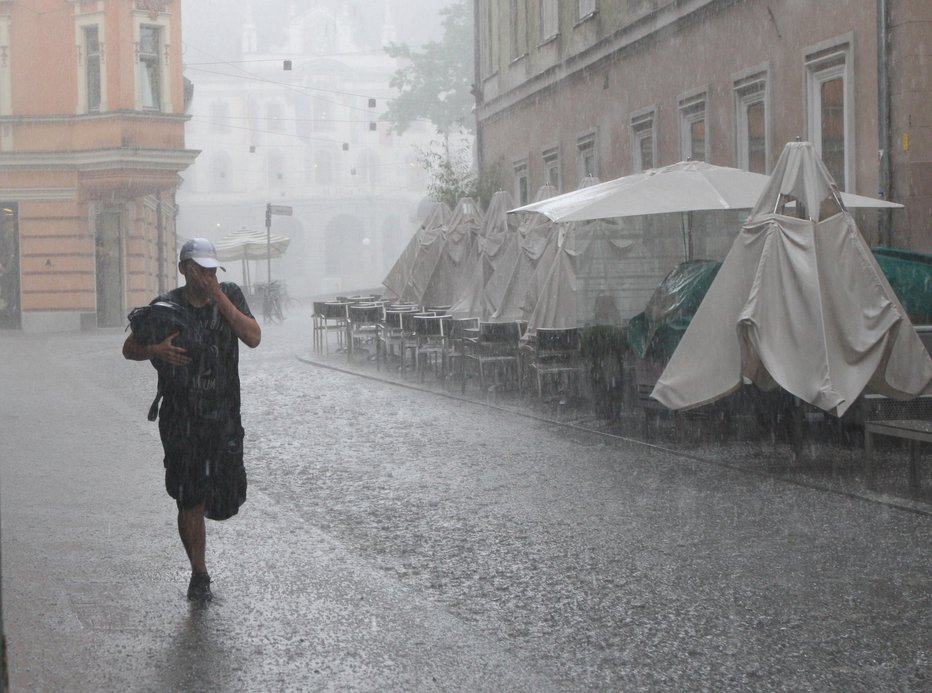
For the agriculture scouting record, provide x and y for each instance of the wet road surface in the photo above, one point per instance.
(395, 539)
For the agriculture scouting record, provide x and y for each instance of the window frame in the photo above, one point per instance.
(157, 57)
(6, 100)
(551, 162)
(643, 124)
(749, 89)
(219, 116)
(825, 62)
(549, 20)
(275, 168)
(519, 24)
(693, 107)
(586, 9)
(488, 38)
(521, 182)
(82, 24)
(92, 58)
(586, 142)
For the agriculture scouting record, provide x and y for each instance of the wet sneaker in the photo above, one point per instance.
(199, 588)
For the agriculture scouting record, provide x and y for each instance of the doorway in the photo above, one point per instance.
(10, 312)
(109, 251)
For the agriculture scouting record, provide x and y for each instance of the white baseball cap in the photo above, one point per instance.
(202, 252)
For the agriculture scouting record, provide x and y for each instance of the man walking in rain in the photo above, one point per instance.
(199, 416)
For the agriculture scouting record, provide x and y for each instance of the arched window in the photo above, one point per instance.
(323, 167)
(368, 168)
(276, 164)
(220, 173)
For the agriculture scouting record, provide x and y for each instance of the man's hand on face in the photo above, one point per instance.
(204, 279)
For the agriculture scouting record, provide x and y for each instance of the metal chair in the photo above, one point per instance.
(391, 333)
(329, 317)
(432, 333)
(364, 322)
(496, 345)
(555, 352)
(461, 329)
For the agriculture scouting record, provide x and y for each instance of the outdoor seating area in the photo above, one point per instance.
(429, 342)
(593, 302)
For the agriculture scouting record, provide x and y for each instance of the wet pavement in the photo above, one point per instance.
(408, 540)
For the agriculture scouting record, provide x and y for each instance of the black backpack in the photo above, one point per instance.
(151, 324)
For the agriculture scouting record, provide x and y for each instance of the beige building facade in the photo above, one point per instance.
(91, 144)
(605, 88)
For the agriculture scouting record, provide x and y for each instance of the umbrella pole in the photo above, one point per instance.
(687, 251)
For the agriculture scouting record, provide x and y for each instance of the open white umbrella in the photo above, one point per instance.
(246, 244)
(687, 186)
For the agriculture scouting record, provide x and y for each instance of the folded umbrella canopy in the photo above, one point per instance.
(411, 259)
(798, 303)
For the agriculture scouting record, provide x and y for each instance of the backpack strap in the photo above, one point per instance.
(154, 407)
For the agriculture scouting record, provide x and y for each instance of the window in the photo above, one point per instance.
(276, 164)
(220, 172)
(219, 116)
(751, 123)
(5, 81)
(587, 165)
(488, 49)
(276, 115)
(323, 167)
(830, 115)
(518, 15)
(92, 67)
(642, 138)
(552, 168)
(587, 8)
(521, 183)
(694, 141)
(368, 165)
(323, 120)
(150, 76)
(549, 19)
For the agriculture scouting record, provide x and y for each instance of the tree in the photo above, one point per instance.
(453, 176)
(436, 82)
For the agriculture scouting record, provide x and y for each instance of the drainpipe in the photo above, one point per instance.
(477, 87)
(883, 122)
(4, 675)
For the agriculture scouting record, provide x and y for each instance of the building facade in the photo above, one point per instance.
(296, 121)
(91, 144)
(605, 88)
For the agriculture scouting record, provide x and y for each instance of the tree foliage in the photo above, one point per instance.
(452, 176)
(436, 81)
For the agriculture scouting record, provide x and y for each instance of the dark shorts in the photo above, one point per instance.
(204, 463)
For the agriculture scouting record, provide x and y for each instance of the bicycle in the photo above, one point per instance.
(276, 302)
(272, 303)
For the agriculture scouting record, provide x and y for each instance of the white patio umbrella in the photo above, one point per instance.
(687, 186)
(246, 244)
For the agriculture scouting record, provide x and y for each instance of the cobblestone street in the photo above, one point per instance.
(404, 539)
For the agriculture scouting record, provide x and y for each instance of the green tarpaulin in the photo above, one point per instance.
(910, 275)
(655, 333)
